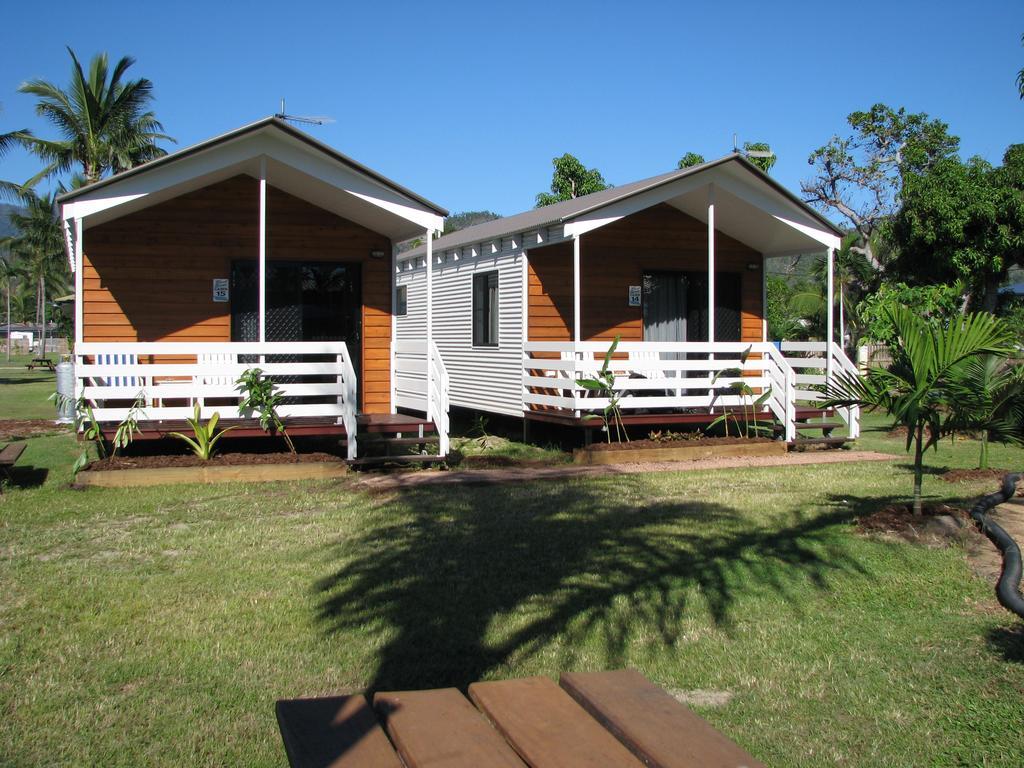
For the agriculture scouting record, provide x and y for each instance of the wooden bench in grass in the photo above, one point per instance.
(594, 720)
(9, 457)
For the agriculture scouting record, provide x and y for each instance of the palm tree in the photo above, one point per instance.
(989, 397)
(39, 248)
(102, 118)
(919, 389)
(8, 274)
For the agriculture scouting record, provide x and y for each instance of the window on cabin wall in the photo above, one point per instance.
(485, 309)
(402, 301)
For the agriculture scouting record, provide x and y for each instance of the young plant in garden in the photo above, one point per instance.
(129, 426)
(918, 390)
(205, 436)
(752, 426)
(989, 397)
(86, 424)
(603, 384)
(260, 394)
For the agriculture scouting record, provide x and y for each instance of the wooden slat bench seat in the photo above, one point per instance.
(594, 720)
(653, 725)
(334, 732)
(546, 727)
(9, 457)
(441, 729)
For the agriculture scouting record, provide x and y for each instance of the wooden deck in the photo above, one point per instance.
(301, 426)
(677, 418)
(609, 719)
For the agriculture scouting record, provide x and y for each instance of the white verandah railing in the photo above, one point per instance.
(409, 363)
(664, 375)
(809, 360)
(169, 378)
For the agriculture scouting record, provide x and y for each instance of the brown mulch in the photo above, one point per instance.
(220, 460)
(968, 475)
(12, 428)
(900, 519)
(678, 443)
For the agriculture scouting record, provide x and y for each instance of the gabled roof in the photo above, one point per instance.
(267, 122)
(569, 210)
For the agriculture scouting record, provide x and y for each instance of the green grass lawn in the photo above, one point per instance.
(24, 393)
(158, 626)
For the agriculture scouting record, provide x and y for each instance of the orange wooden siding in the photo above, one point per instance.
(148, 275)
(616, 256)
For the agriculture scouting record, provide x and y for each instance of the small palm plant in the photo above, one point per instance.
(603, 383)
(990, 398)
(129, 426)
(919, 388)
(752, 426)
(205, 436)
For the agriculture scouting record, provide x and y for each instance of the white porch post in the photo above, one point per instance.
(764, 298)
(79, 283)
(430, 322)
(263, 249)
(576, 301)
(711, 263)
(394, 323)
(829, 321)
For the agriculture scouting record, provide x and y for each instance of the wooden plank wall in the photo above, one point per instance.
(616, 256)
(148, 275)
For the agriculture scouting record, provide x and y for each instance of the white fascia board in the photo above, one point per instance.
(618, 210)
(238, 152)
(289, 152)
(779, 208)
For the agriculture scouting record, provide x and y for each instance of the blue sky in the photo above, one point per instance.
(466, 103)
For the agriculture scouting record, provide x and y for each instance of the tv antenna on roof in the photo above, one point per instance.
(304, 120)
(749, 153)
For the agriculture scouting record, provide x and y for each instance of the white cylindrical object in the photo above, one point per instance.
(65, 392)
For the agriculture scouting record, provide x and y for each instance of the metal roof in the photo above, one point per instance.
(567, 210)
(267, 122)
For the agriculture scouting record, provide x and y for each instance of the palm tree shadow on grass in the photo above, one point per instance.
(462, 581)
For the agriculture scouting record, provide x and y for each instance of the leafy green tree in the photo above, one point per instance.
(39, 248)
(783, 322)
(989, 397)
(919, 389)
(571, 179)
(1020, 76)
(103, 119)
(936, 304)
(963, 221)
(9, 274)
(690, 159)
(457, 221)
(760, 154)
(860, 176)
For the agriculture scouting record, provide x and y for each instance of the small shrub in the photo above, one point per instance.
(205, 436)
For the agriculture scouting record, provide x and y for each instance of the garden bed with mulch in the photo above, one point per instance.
(118, 463)
(682, 441)
(12, 428)
(970, 475)
(937, 523)
(140, 471)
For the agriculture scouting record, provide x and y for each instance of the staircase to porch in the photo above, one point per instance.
(396, 438)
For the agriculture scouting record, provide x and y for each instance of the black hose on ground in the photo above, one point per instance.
(1008, 587)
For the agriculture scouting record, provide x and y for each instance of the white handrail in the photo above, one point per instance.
(170, 377)
(439, 398)
(551, 371)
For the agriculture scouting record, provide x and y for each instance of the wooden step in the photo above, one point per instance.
(379, 439)
(655, 727)
(367, 461)
(441, 729)
(826, 442)
(820, 425)
(546, 727)
(336, 731)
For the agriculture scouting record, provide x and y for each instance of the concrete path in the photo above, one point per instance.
(392, 481)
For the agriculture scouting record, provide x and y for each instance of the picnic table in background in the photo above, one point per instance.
(615, 719)
(41, 362)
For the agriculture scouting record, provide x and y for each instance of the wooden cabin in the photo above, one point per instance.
(259, 248)
(522, 308)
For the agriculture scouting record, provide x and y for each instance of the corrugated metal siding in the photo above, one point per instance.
(482, 378)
